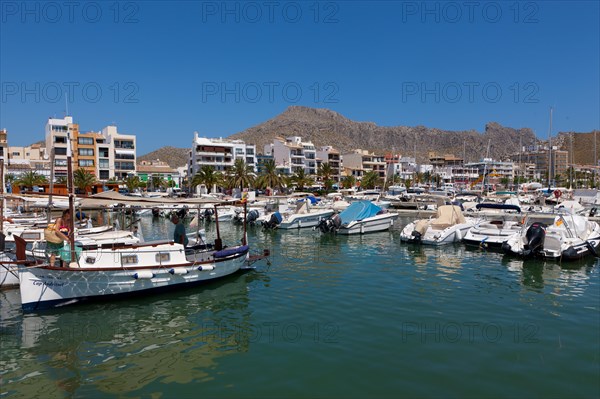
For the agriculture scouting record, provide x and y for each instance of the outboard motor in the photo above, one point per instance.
(536, 233)
(330, 225)
(416, 236)
(252, 216)
(182, 212)
(207, 214)
(593, 211)
(273, 221)
(156, 212)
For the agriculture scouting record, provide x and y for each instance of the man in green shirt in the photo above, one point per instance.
(179, 235)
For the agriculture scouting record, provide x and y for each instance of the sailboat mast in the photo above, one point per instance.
(71, 193)
(550, 151)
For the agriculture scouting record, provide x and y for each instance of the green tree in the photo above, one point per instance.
(427, 176)
(408, 183)
(83, 180)
(369, 180)
(269, 177)
(158, 182)
(348, 181)
(301, 179)
(207, 176)
(132, 183)
(241, 175)
(326, 172)
(30, 179)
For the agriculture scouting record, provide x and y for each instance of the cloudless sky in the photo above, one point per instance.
(162, 70)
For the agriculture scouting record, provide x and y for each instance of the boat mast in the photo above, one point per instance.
(485, 162)
(1, 204)
(71, 193)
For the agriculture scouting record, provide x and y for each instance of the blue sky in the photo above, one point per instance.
(162, 70)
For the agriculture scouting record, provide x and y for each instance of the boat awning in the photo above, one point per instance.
(359, 210)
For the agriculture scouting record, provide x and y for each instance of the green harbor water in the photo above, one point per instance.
(331, 317)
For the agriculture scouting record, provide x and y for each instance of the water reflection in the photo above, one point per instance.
(177, 338)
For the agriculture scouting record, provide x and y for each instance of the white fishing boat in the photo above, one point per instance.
(449, 226)
(359, 218)
(128, 269)
(570, 237)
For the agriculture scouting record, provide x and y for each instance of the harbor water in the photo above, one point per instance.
(330, 317)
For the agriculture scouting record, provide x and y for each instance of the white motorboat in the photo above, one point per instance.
(449, 226)
(359, 218)
(302, 216)
(570, 237)
(495, 228)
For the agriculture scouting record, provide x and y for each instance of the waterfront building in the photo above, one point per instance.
(556, 164)
(150, 171)
(219, 153)
(293, 153)
(360, 161)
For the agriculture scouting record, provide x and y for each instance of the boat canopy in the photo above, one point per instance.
(359, 210)
(505, 207)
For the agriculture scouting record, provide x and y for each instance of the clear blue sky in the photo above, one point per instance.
(162, 70)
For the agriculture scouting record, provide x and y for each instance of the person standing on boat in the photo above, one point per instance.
(179, 235)
(61, 229)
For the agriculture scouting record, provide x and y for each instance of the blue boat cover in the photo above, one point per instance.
(359, 210)
(231, 251)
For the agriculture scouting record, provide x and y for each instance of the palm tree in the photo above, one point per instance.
(83, 180)
(369, 179)
(301, 179)
(158, 181)
(30, 179)
(241, 174)
(269, 177)
(408, 183)
(61, 180)
(325, 172)
(207, 176)
(132, 183)
(348, 181)
(427, 176)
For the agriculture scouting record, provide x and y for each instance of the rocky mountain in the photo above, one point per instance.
(174, 157)
(326, 127)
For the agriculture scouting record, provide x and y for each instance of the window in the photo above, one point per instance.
(104, 175)
(59, 139)
(60, 162)
(16, 153)
(124, 156)
(129, 259)
(57, 128)
(85, 140)
(162, 257)
(103, 152)
(86, 152)
(60, 151)
(86, 162)
(103, 163)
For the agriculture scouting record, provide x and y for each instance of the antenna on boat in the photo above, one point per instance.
(550, 151)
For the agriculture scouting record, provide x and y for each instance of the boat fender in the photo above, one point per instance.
(143, 274)
(178, 270)
(206, 268)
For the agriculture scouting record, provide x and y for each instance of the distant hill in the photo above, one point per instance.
(326, 127)
(174, 157)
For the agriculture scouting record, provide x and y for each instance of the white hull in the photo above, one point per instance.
(487, 236)
(311, 219)
(435, 236)
(43, 287)
(8, 272)
(369, 225)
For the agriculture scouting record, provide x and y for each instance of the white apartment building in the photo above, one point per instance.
(293, 153)
(121, 153)
(19, 160)
(492, 168)
(404, 167)
(219, 153)
(108, 154)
